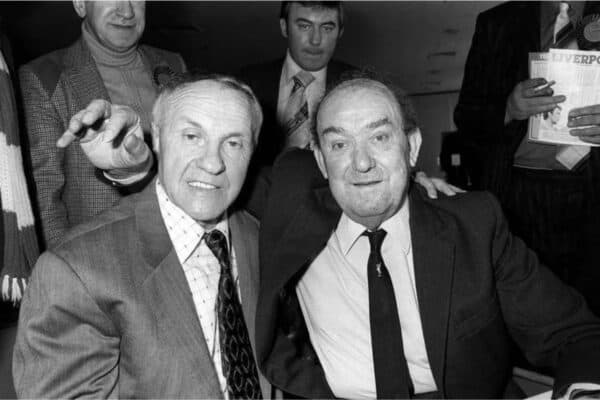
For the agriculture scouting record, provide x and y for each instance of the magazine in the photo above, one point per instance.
(577, 76)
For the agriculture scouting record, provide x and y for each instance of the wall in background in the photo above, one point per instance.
(422, 46)
(435, 117)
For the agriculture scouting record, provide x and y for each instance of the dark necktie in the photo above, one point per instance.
(392, 378)
(237, 359)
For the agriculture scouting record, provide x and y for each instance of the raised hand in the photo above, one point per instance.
(110, 136)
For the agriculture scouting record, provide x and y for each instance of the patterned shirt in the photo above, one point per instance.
(202, 270)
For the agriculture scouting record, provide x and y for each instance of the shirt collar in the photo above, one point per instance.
(185, 233)
(291, 68)
(397, 228)
(549, 10)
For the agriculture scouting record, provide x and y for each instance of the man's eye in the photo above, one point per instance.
(304, 27)
(382, 138)
(328, 28)
(235, 144)
(337, 145)
(191, 136)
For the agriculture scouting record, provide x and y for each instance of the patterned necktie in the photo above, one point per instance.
(392, 379)
(295, 114)
(237, 358)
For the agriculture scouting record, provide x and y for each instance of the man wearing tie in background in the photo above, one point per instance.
(289, 89)
(105, 62)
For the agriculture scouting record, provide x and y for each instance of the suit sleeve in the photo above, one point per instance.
(44, 127)
(479, 114)
(66, 346)
(547, 319)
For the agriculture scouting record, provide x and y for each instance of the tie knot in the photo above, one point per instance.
(216, 242)
(303, 78)
(375, 239)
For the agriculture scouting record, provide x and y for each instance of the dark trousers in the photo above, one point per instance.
(550, 211)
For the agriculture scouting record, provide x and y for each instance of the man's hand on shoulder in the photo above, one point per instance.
(112, 139)
(434, 185)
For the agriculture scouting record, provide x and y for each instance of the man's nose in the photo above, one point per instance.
(362, 160)
(211, 161)
(315, 37)
(125, 9)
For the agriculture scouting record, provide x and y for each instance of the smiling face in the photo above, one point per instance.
(312, 34)
(204, 144)
(117, 25)
(364, 152)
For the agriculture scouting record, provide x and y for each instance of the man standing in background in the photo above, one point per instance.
(289, 89)
(105, 62)
(551, 204)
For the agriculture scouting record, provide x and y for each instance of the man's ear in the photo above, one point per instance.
(155, 137)
(320, 160)
(79, 6)
(283, 27)
(414, 142)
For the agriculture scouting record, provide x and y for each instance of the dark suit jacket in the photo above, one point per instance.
(109, 312)
(478, 287)
(55, 87)
(264, 81)
(497, 61)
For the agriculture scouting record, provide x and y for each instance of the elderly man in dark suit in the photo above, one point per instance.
(144, 299)
(550, 204)
(105, 62)
(290, 88)
(369, 289)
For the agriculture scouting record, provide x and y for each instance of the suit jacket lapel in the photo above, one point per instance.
(83, 75)
(270, 95)
(168, 293)
(245, 244)
(433, 255)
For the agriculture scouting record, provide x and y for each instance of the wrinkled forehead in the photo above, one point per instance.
(366, 100)
(204, 93)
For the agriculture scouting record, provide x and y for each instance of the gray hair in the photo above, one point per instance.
(181, 82)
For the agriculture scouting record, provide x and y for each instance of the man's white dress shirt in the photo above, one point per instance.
(334, 298)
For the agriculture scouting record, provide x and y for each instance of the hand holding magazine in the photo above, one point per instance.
(577, 76)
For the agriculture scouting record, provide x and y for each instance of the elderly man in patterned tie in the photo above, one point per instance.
(156, 297)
